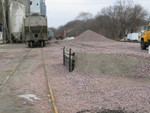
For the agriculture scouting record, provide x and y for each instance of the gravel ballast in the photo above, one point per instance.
(109, 77)
(90, 36)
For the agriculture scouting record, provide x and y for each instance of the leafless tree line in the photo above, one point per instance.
(113, 22)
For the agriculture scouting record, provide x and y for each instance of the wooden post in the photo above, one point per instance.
(64, 55)
(70, 60)
(73, 61)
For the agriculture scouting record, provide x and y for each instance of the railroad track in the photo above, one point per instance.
(46, 75)
(14, 70)
(49, 86)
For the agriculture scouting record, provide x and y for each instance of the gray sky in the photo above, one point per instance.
(60, 12)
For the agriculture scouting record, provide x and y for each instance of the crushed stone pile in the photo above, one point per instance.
(89, 35)
(106, 64)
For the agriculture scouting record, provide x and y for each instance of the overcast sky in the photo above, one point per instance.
(59, 12)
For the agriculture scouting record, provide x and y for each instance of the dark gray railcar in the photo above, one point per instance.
(36, 32)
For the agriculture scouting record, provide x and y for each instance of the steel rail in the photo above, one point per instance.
(49, 86)
(13, 71)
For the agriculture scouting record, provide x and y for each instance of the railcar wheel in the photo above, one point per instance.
(28, 44)
(42, 43)
(31, 44)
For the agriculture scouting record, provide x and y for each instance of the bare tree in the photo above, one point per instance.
(113, 22)
(124, 17)
(84, 16)
(136, 17)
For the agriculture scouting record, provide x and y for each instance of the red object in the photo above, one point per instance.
(63, 33)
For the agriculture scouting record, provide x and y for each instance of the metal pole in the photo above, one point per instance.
(73, 61)
(6, 34)
(64, 55)
(70, 60)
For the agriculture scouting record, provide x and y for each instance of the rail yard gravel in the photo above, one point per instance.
(109, 76)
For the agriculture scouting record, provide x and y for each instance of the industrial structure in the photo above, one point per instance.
(36, 33)
(16, 14)
(37, 6)
(12, 13)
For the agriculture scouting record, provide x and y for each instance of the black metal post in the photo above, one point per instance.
(70, 60)
(73, 61)
(64, 55)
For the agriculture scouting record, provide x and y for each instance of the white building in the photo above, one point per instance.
(38, 6)
(35, 6)
(43, 7)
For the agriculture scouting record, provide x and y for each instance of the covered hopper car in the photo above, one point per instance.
(36, 33)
